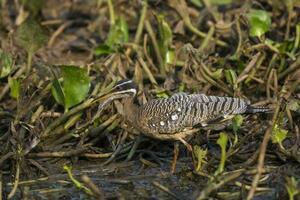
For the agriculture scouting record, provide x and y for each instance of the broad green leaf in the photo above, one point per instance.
(14, 85)
(31, 36)
(222, 142)
(278, 135)
(118, 33)
(201, 156)
(260, 22)
(6, 64)
(76, 85)
(237, 122)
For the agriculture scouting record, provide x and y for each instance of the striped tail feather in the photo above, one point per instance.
(252, 109)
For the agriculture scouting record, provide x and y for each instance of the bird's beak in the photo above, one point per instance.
(110, 96)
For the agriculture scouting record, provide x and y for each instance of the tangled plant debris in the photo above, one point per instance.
(59, 58)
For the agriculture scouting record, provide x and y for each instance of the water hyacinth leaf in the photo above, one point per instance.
(73, 88)
(31, 36)
(278, 135)
(118, 33)
(6, 64)
(57, 92)
(14, 85)
(260, 22)
(76, 85)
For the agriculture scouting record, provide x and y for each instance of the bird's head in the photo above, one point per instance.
(126, 87)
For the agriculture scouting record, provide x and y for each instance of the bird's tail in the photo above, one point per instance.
(253, 109)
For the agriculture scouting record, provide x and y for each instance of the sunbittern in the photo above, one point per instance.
(175, 117)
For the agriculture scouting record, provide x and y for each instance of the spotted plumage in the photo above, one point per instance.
(166, 118)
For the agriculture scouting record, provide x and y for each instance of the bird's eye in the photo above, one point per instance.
(118, 88)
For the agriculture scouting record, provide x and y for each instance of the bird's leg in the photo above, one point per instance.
(175, 157)
(190, 148)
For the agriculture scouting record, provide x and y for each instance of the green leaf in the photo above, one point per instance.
(237, 123)
(76, 84)
(231, 77)
(165, 37)
(220, 2)
(118, 33)
(197, 3)
(6, 64)
(292, 187)
(102, 49)
(14, 85)
(74, 88)
(201, 156)
(260, 22)
(57, 92)
(217, 74)
(31, 36)
(222, 142)
(278, 135)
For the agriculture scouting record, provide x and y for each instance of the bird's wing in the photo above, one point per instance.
(212, 108)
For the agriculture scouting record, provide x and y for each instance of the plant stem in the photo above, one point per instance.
(29, 62)
(111, 12)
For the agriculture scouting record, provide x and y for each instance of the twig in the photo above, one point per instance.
(16, 183)
(97, 192)
(60, 29)
(141, 22)
(119, 148)
(5, 157)
(214, 186)
(290, 69)
(155, 46)
(58, 154)
(248, 68)
(168, 191)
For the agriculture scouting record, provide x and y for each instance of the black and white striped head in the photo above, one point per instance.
(125, 86)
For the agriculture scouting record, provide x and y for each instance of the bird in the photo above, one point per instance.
(176, 117)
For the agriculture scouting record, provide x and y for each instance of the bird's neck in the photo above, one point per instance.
(131, 110)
